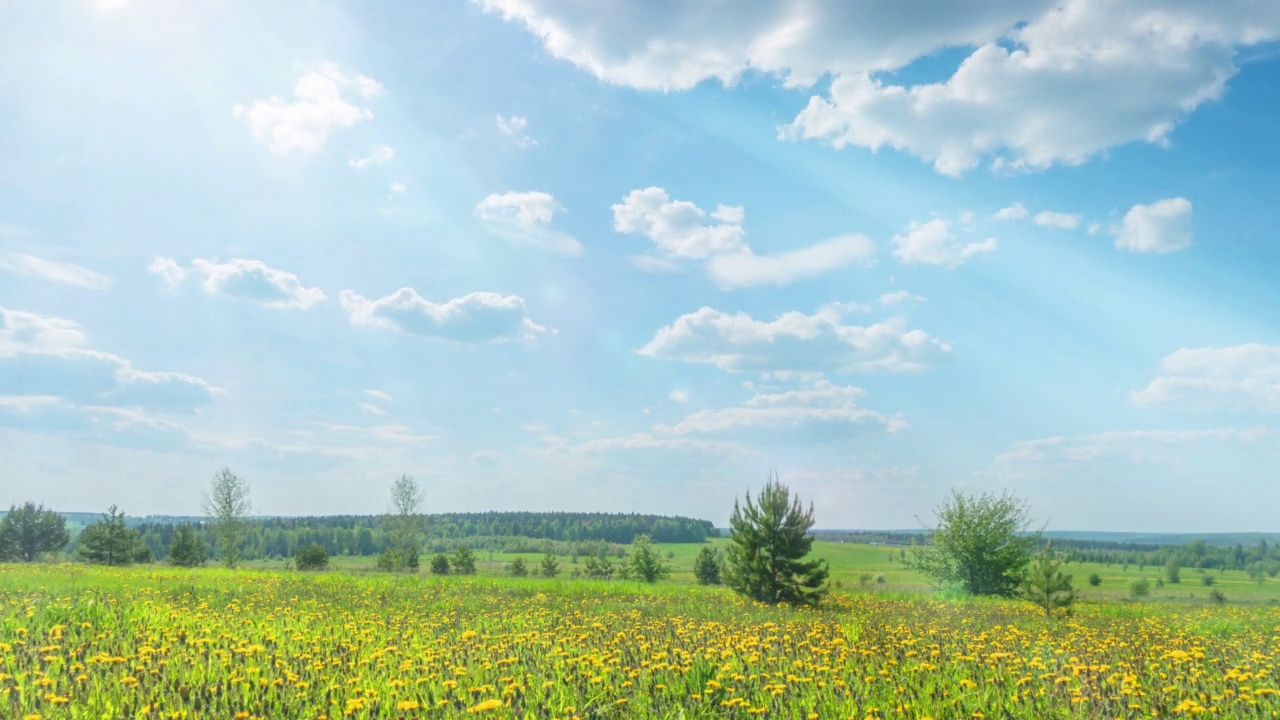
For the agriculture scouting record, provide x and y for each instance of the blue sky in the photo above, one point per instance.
(542, 254)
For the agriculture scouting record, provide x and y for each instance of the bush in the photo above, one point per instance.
(643, 562)
(516, 568)
(311, 557)
(1095, 580)
(1216, 597)
(599, 568)
(1139, 589)
(440, 564)
(1206, 580)
(464, 561)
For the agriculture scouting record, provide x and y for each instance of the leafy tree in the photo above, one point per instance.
(768, 539)
(440, 564)
(1139, 589)
(464, 561)
(108, 541)
(549, 567)
(312, 556)
(406, 531)
(396, 560)
(227, 505)
(1047, 586)
(28, 531)
(981, 543)
(1172, 573)
(517, 569)
(187, 549)
(706, 566)
(1095, 579)
(599, 568)
(643, 562)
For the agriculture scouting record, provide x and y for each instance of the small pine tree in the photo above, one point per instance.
(599, 568)
(644, 563)
(187, 549)
(108, 541)
(517, 569)
(1095, 580)
(706, 566)
(549, 567)
(767, 543)
(311, 557)
(440, 564)
(1047, 586)
(464, 561)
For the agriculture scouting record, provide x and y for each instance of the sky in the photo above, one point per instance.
(636, 255)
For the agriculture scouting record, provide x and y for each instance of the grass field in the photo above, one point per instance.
(154, 642)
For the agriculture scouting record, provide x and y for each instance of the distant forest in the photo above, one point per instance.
(564, 533)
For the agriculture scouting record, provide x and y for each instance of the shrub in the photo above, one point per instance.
(311, 557)
(464, 561)
(643, 563)
(1216, 597)
(440, 564)
(516, 568)
(1095, 580)
(1206, 580)
(1139, 589)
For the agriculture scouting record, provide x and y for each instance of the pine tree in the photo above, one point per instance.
(29, 530)
(464, 561)
(108, 541)
(767, 543)
(517, 568)
(1046, 585)
(187, 550)
(706, 566)
(440, 564)
(549, 567)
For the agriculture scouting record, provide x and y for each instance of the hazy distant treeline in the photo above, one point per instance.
(564, 532)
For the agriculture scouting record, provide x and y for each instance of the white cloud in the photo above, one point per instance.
(317, 110)
(794, 343)
(1045, 82)
(821, 412)
(523, 217)
(900, 297)
(377, 156)
(933, 243)
(1241, 377)
(680, 396)
(513, 127)
(681, 230)
(43, 355)
(486, 458)
(1059, 220)
(1131, 446)
(746, 269)
(1160, 227)
(172, 273)
(66, 273)
(397, 188)
(1094, 228)
(253, 281)
(475, 318)
(380, 395)
(371, 408)
(1016, 211)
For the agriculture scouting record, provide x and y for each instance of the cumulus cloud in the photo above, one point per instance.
(253, 281)
(480, 317)
(376, 156)
(1059, 220)
(524, 217)
(1044, 83)
(1160, 227)
(899, 297)
(934, 243)
(61, 272)
(682, 231)
(1016, 211)
(49, 356)
(1241, 377)
(169, 271)
(318, 108)
(794, 343)
(513, 127)
(821, 412)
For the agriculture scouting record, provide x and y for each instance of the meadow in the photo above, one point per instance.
(155, 642)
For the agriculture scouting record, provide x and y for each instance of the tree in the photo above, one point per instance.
(464, 561)
(312, 556)
(549, 567)
(1095, 579)
(440, 564)
(599, 568)
(517, 568)
(981, 543)
(1047, 586)
(28, 531)
(706, 566)
(406, 532)
(768, 539)
(227, 505)
(1172, 572)
(108, 541)
(1206, 580)
(187, 549)
(643, 562)
(1139, 589)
